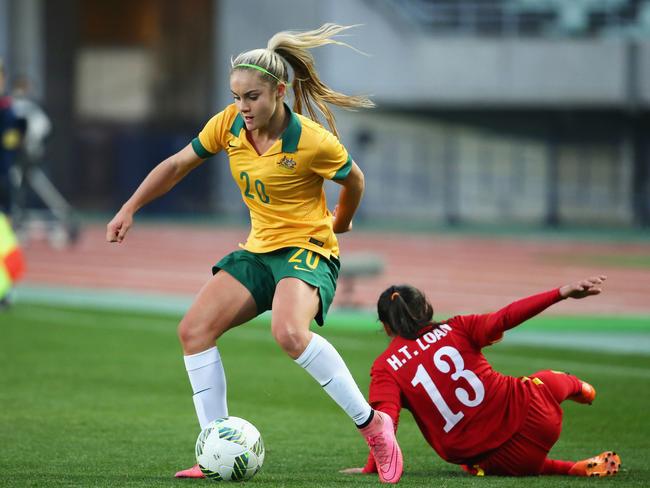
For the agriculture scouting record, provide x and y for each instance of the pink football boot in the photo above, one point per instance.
(380, 436)
(193, 472)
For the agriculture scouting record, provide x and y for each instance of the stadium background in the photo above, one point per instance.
(509, 153)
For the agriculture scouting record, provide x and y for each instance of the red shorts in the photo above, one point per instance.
(524, 453)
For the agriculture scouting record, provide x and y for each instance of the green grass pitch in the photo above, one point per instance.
(101, 398)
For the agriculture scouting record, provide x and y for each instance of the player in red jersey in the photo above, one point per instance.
(472, 415)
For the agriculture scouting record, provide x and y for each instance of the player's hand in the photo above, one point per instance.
(339, 229)
(583, 288)
(119, 226)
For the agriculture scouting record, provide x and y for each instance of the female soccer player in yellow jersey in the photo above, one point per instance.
(289, 264)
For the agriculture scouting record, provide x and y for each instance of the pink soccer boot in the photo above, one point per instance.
(193, 472)
(380, 436)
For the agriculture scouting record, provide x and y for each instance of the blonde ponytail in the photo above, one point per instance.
(310, 93)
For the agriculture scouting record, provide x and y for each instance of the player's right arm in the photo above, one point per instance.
(158, 182)
(163, 177)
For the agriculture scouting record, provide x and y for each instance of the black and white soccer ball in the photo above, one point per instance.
(230, 449)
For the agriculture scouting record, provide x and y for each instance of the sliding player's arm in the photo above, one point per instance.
(489, 328)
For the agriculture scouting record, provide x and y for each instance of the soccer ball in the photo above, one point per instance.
(229, 449)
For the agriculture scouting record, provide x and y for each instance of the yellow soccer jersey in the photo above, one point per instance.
(282, 188)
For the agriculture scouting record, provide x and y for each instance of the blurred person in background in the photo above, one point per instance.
(37, 124)
(10, 140)
(12, 264)
(290, 262)
(28, 177)
(470, 414)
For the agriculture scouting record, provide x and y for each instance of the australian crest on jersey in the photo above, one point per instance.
(287, 164)
(413, 350)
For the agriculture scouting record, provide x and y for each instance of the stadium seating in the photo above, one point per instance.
(527, 17)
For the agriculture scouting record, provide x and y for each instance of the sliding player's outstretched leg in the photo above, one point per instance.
(565, 386)
(556, 467)
(586, 395)
(607, 463)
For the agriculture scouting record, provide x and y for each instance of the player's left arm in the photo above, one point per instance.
(521, 310)
(489, 328)
(349, 199)
(583, 288)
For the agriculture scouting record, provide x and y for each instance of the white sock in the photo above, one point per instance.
(208, 385)
(324, 363)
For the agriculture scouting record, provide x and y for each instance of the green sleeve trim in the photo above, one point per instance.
(200, 151)
(344, 170)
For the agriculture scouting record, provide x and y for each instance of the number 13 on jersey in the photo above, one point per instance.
(423, 378)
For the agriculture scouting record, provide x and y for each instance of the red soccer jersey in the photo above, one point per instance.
(463, 407)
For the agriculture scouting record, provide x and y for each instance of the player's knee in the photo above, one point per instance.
(196, 335)
(293, 340)
(186, 333)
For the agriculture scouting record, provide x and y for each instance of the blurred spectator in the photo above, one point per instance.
(11, 259)
(37, 123)
(10, 136)
(35, 198)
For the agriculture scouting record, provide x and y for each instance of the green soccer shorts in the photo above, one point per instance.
(260, 273)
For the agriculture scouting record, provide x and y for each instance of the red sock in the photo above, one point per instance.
(561, 385)
(554, 466)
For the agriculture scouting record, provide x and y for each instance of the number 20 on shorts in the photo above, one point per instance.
(311, 259)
